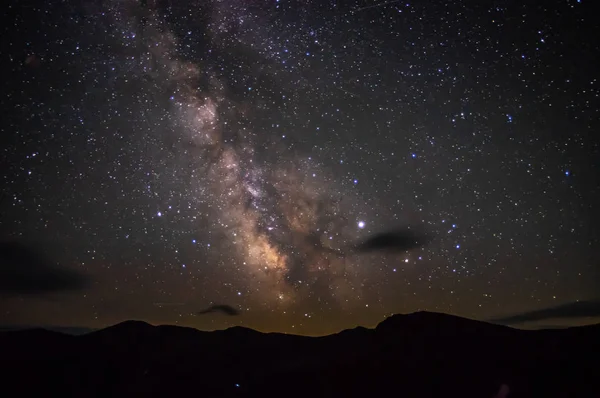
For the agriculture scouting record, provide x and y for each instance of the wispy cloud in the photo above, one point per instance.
(25, 270)
(578, 309)
(225, 309)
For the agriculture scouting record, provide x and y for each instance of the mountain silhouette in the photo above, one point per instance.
(414, 355)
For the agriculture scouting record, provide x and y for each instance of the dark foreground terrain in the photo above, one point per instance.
(417, 355)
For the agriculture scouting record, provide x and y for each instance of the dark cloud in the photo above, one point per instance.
(225, 309)
(25, 270)
(579, 309)
(398, 240)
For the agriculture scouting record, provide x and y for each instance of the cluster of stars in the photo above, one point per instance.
(228, 152)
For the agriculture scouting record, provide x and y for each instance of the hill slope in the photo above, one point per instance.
(415, 355)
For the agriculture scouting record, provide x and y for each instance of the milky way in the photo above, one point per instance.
(287, 220)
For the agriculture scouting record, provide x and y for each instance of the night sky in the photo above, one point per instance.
(184, 154)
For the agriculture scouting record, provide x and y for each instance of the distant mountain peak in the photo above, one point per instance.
(357, 329)
(241, 330)
(132, 323)
(419, 319)
(129, 326)
(426, 321)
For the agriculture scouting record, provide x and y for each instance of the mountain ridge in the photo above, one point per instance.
(409, 320)
(416, 355)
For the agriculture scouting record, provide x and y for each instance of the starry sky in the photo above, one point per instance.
(184, 154)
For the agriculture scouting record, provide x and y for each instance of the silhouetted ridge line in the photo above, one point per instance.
(433, 322)
(417, 355)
